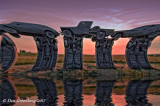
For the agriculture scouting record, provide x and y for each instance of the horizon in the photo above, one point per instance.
(84, 54)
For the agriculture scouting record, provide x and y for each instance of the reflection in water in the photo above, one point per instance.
(73, 92)
(7, 93)
(103, 93)
(136, 93)
(47, 92)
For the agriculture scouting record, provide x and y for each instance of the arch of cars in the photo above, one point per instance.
(45, 38)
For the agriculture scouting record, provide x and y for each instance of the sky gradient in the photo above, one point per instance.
(115, 14)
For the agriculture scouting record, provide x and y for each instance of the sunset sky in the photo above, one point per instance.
(111, 14)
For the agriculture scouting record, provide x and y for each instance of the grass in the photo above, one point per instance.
(26, 60)
(30, 58)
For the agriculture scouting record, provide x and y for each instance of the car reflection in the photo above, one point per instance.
(136, 93)
(7, 93)
(104, 92)
(73, 92)
(47, 93)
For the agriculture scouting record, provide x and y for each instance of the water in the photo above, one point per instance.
(31, 91)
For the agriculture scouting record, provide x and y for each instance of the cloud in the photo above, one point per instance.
(96, 9)
(113, 19)
(115, 10)
(2, 20)
(148, 22)
(121, 13)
